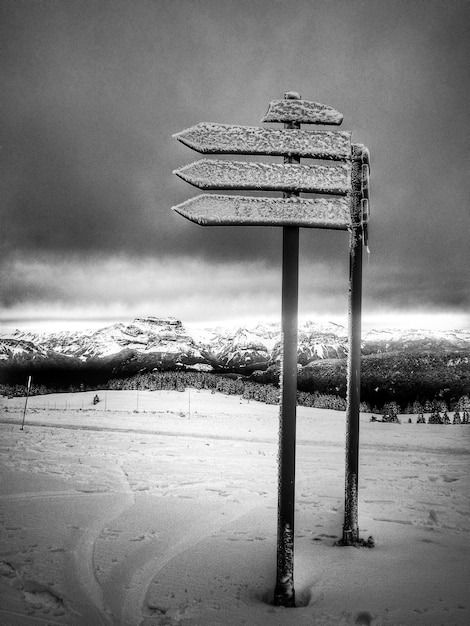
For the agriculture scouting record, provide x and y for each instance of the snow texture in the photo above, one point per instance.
(301, 111)
(230, 139)
(216, 174)
(223, 210)
(167, 516)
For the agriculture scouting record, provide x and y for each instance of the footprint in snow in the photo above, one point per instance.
(38, 595)
(42, 597)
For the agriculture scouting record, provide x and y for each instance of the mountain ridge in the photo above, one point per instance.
(166, 342)
(396, 365)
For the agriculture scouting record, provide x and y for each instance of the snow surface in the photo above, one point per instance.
(160, 508)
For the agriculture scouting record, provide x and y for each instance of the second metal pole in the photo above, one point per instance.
(351, 525)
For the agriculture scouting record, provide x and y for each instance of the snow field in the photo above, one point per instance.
(168, 515)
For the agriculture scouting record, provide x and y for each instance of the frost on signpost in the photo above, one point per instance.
(344, 182)
(358, 236)
(227, 139)
(223, 210)
(293, 109)
(212, 174)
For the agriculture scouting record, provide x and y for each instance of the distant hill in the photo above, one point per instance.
(400, 376)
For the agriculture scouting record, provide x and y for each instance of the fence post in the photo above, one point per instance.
(28, 387)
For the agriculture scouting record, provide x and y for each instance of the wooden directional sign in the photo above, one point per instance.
(290, 178)
(301, 111)
(229, 139)
(221, 210)
(214, 174)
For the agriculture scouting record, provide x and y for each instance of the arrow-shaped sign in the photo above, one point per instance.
(302, 111)
(222, 210)
(229, 139)
(212, 174)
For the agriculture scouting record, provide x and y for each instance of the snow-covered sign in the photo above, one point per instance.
(228, 139)
(215, 174)
(222, 210)
(290, 177)
(301, 111)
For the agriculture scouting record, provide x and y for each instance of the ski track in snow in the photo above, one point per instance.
(143, 577)
(83, 550)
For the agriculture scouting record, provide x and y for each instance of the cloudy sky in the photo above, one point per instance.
(92, 91)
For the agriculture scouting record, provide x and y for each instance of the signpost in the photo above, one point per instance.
(345, 183)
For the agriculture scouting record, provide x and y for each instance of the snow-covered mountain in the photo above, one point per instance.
(392, 339)
(161, 338)
(166, 343)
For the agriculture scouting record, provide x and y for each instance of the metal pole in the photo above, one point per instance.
(284, 594)
(351, 527)
(26, 401)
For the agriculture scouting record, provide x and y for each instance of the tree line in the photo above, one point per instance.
(250, 388)
(402, 377)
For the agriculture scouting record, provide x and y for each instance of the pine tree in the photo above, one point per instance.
(463, 404)
(427, 407)
(390, 412)
(435, 418)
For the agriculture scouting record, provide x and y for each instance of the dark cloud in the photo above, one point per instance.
(93, 91)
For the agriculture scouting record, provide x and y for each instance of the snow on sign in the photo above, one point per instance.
(227, 139)
(301, 111)
(222, 210)
(215, 174)
(290, 177)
